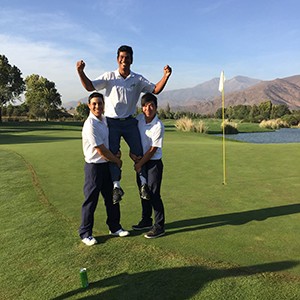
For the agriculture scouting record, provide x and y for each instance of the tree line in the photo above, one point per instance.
(257, 113)
(42, 101)
(254, 114)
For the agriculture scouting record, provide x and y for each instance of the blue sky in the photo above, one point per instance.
(197, 38)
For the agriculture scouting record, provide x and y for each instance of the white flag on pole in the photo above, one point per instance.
(221, 83)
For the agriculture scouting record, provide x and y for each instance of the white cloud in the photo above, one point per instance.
(43, 59)
(49, 45)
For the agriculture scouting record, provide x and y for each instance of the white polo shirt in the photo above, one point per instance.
(152, 135)
(94, 133)
(122, 95)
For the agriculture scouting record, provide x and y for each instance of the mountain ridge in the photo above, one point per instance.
(205, 98)
(205, 91)
(246, 91)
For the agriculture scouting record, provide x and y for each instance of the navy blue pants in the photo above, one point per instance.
(98, 180)
(128, 129)
(154, 170)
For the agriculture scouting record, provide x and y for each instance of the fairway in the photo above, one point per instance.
(234, 241)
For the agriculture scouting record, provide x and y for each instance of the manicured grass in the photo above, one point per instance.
(238, 241)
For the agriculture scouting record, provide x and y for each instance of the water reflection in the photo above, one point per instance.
(281, 136)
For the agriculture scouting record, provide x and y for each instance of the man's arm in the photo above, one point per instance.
(162, 83)
(147, 156)
(107, 155)
(86, 82)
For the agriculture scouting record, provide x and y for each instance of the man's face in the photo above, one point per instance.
(124, 60)
(96, 106)
(149, 110)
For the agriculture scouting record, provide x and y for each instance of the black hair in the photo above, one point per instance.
(126, 49)
(148, 97)
(95, 95)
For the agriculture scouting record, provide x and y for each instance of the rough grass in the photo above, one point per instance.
(222, 242)
(274, 124)
(188, 125)
(214, 126)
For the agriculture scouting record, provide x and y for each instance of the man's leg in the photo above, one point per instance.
(132, 137)
(112, 210)
(114, 146)
(146, 221)
(155, 171)
(91, 194)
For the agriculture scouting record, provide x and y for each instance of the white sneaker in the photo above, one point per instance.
(121, 232)
(89, 241)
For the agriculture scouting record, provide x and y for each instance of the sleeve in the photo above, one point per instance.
(139, 117)
(157, 136)
(94, 134)
(147, 86)
(100, 82)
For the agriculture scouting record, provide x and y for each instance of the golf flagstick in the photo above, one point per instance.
(221, 89)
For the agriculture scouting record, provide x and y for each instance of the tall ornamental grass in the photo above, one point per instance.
(188, 125)
(274, 124)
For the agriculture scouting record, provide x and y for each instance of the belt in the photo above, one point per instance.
(120, 119)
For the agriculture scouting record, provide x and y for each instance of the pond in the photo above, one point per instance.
(281, 136)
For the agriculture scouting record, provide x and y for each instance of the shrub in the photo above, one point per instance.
(274, 124)
(290, 119)
(201, 127)
(186, 124)
(229, 127)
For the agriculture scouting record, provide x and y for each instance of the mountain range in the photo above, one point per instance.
(205, 98)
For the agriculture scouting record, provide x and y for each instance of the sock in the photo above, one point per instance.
(143, 180)
(117, 184)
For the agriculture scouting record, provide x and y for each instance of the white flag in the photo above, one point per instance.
(221, 83)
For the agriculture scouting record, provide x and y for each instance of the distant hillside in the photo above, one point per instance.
(204, 92)
(205, 98)
(73, 104)
(278, 91)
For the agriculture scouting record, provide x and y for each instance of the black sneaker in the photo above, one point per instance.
(117, 195)
(155, 232)
(142, 225)
(144, 192)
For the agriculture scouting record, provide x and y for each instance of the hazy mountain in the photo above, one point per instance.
(203, 92)
(73, 104)
(279, 91)
(205, 97)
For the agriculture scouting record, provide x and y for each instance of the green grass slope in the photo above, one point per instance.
(232, 241)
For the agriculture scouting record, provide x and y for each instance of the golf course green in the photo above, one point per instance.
(234, 241)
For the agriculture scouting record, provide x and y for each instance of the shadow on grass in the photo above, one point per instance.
(8, 139)
(238, 218)
(102, 239)
(10, 133)
(174, 283)
(39, 124)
